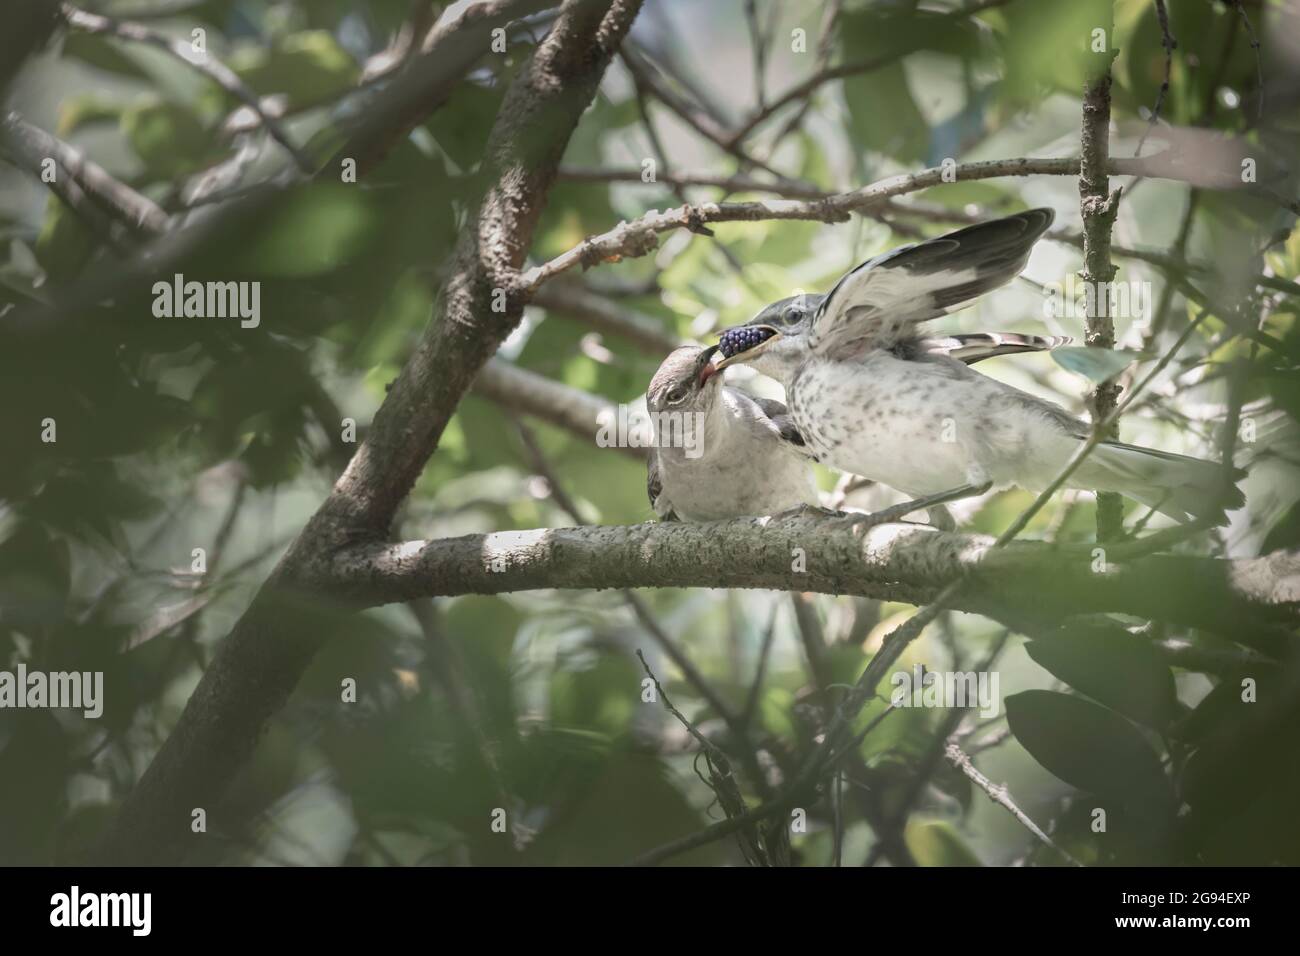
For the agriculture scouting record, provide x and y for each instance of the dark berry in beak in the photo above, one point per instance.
(742, 338)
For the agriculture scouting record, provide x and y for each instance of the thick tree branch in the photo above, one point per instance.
(28, 25)
(447, 54)
(260, 662)
(31, 146)
(896, 562)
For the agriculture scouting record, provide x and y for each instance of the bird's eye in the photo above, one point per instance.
(677, 395)
(792, 316)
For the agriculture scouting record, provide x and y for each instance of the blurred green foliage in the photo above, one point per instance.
(175, 434)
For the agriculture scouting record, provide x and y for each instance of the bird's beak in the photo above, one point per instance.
(706, 369)
(754, 350)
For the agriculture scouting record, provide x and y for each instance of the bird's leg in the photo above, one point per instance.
(928, 503)
(799, 511)
(937, 501)
(941, 518)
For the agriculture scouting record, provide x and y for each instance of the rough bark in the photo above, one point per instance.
(896, 562)
(1098, 207)
(260, 662)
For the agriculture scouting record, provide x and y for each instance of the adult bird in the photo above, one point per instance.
(736, 454)
(871, 399)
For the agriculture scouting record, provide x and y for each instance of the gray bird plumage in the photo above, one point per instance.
(873, 398)
(750, 460)
(753, 458)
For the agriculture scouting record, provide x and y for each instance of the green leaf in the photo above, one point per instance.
(102, 53)
(1048, 47)
(1113, 667)
(35, 575)
(85, 109)
(937, 843)
(884, 116)
(312, 231)
(1093, 749)
(600, 698)
(168, 137)
(65, 243)
(1099, 365)
(595, 832)
(308, 68)
(462, 125)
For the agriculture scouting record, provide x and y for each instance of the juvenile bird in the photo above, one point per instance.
(750, 459)
(870, 398)
(718, 451)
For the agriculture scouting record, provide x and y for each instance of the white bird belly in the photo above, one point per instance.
(917, 427)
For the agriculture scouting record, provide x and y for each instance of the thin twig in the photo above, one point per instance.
(1254, 45)
(804, 90)
(205, 63)
(722, 779)
(1170, 44)
(1000, 796)
(640, 236)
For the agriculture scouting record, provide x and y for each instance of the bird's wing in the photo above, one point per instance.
(977, 346)
(879, 302)
(779, 416)
(773, 416)
(663, 508)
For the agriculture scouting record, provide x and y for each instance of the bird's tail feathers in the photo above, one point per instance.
(972, 347)
(1179, 486)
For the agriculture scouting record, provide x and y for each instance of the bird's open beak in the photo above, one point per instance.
(705, 367)
(753, 350)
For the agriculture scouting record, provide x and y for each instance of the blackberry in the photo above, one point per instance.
(742, 339)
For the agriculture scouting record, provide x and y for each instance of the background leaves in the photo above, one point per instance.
(183, 434)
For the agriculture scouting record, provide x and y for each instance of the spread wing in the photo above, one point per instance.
(663, 508)
(977, 346)
(880, 301)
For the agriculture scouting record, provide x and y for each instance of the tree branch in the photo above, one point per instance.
(447, 54)
(1098, 208)
(28, 25)
(894, 562)
(260, 662)
(805, 89)
(572, 409)
(205, 63)
(640, 237)
(1000, 796)
(1170, 44)
(32, 145)
(604, 316)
